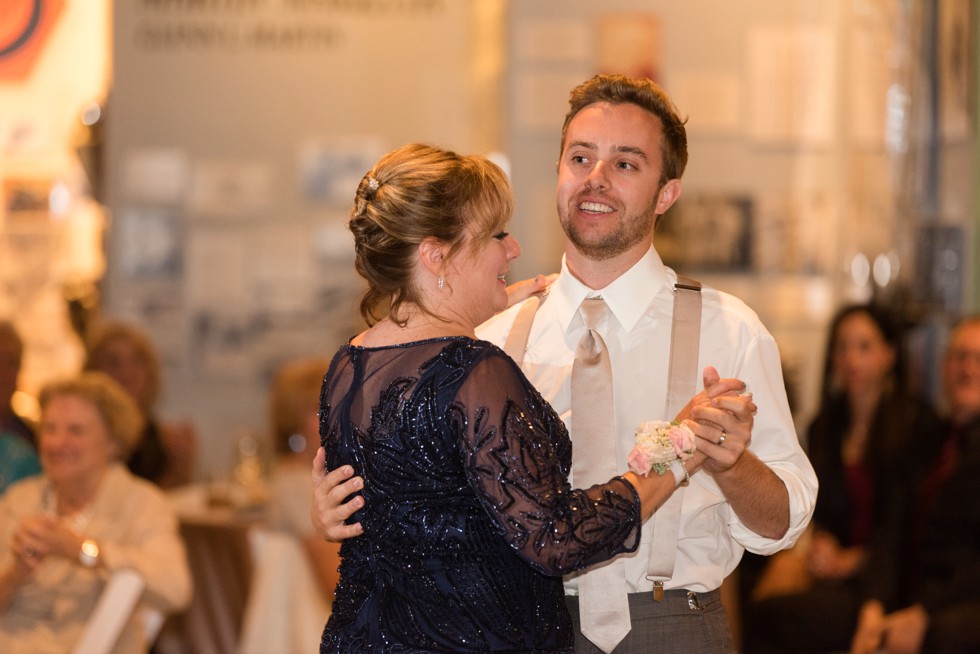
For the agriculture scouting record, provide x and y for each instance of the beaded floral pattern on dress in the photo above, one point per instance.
(469, 521)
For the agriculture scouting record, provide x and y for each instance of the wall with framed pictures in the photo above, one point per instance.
(236, 134)
(833, 152)
(830, 144)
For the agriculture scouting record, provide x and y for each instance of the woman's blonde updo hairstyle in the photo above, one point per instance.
(120, 414)
(413, 193)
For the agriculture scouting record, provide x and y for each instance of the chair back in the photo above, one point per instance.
(112, 611)
(286, 611)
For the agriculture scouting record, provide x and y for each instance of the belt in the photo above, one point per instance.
(672, 599)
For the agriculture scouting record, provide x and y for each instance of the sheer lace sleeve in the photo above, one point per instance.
(517, 458)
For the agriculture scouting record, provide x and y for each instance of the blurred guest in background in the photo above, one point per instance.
(866, 444)
(17, 460)
(943, 611)
(167, 452)
(11, 357)
(63, 533)
(18, 448)
(294, 414)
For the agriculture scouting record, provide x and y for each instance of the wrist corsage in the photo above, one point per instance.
(658, 444)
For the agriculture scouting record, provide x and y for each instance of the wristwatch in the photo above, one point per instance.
(89, 554)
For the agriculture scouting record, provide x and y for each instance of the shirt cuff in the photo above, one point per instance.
(681, 475)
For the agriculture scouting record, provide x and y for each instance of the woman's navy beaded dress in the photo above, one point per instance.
(469, 520)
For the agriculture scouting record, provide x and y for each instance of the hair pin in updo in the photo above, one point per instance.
(365, 194)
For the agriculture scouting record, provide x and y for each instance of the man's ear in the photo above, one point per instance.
(668, 195)
(432, 254)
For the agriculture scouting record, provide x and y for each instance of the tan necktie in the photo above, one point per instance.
(602, 590)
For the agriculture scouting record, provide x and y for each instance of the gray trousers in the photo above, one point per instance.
(676, 625)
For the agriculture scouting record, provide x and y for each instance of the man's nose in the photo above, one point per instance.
(597, 176)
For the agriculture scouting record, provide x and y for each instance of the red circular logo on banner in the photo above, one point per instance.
(24, 29)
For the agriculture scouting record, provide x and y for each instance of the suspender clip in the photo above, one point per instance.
(658, 591)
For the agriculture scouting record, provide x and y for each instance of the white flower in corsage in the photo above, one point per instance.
(658, 444)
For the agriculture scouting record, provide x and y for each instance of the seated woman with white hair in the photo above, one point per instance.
(63, 533)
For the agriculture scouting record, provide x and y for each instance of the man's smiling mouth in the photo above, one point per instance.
(595, 207)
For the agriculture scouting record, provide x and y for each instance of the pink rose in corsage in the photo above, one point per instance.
(658, 444)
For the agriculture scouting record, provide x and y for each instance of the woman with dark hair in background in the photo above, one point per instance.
(868, 443)
(167, 451)
(18, 444)
(11, 358)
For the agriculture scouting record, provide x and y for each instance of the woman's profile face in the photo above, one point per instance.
(862, 358)
(480, 274)
(73, 441)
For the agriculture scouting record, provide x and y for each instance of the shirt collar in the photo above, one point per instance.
(627, 297)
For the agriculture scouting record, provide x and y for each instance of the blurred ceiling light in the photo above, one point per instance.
(882, 270)
(860, 269)
(59, 199)
(91, 114)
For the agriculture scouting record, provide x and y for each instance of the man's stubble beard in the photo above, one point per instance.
(635, 228)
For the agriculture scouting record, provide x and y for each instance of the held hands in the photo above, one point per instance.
(723, 421)
(716, 411)
(755, 492)
(329, 512)
(36, 538)
(41, 536)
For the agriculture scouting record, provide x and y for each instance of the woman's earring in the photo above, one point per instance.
(441, 282)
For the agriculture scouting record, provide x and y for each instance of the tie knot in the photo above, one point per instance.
(593, 311)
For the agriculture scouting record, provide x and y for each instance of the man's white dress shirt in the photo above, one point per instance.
(711, 538)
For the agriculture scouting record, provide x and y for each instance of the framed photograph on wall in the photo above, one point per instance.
(708, 232)
(955, 64)
(147, 244)
(939, 259)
